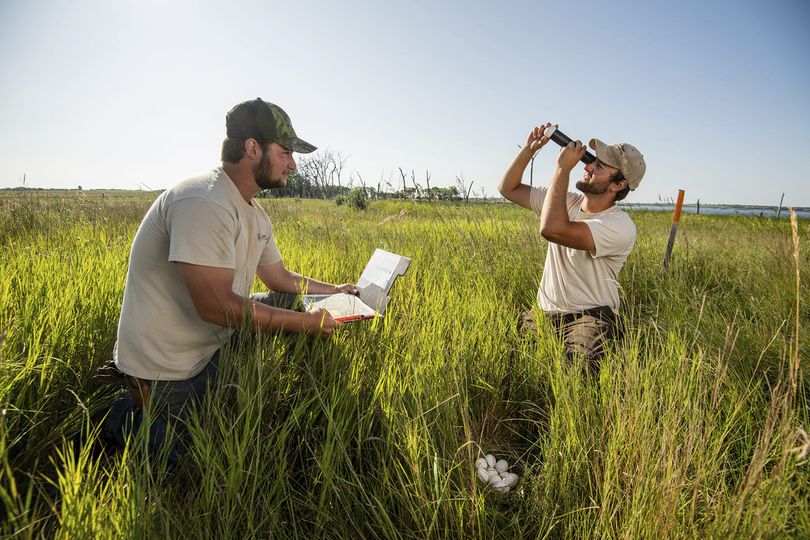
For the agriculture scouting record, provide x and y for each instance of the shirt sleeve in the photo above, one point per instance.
(536, 198)
(201, 232)
(538, 195)
(613, 234)
(270, 254)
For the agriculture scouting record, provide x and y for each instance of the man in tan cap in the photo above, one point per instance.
(589, 239)
(191, 270)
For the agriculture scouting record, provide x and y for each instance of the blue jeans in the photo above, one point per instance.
(171, 401)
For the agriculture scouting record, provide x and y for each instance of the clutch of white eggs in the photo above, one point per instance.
(495, 473)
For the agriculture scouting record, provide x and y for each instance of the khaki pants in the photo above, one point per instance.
(585, 334)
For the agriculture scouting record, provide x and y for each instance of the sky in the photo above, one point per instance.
(133, 94)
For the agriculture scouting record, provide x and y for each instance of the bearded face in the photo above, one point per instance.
(267, 176)
(273, 166)
(597, 178)
(592, 189)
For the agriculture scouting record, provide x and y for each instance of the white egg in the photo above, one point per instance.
(483, 475)
(500, 485)
(510, 479)
(481, 463)
(494, 477)
(502, 465)
(490, 460)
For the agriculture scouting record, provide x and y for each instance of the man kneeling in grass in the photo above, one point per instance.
(192, 266)
(589, 239)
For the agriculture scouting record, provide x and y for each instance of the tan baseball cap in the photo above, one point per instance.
(624, 157)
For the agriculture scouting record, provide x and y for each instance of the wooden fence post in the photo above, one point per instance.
(676, 218)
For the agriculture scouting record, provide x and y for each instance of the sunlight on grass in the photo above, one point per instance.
(687, 432)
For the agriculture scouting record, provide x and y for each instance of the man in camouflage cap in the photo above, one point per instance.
(589, 239)
(191, 269)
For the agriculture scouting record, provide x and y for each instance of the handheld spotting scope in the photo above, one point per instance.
(562, 139)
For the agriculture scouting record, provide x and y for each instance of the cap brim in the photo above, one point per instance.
(302, 147)
(605, 153)
(612, 157)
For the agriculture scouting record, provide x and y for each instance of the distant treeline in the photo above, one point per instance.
(322, 176)
(298, 186)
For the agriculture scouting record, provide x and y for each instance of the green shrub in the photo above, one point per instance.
(356, 198)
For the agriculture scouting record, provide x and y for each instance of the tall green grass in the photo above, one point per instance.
(373, 432)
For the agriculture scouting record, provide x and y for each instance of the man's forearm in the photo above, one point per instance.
(293, 282)
(514, 174)
(236, 310)
(264, 317)
(555, 205)
(317, 287)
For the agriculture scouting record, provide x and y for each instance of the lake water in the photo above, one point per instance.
(721, 210)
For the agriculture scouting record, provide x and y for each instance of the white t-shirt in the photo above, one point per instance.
(205, 221)
(574, 279)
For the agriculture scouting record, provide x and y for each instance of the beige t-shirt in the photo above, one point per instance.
(205, 221)
(574, 279)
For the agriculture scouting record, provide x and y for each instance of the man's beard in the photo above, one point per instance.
(591, 189)
(263, 173)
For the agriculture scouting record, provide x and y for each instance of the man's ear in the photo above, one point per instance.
(618, 186)
(252, 148)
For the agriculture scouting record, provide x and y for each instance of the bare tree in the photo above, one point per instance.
(389, 187)
(323, 170)
(337, 161)
(427, 183)
(362, 183)
(463, 188)
(404, 182)
(311, 168)
(416, 186)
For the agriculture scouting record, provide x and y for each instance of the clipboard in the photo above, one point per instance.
(379, 275)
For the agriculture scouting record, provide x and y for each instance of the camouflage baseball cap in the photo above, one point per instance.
(624, 157)
(261, 120)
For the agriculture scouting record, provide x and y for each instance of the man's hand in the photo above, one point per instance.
(321, 323)
(537, 138)
(570, 155)
(347, 288)
(511, 186)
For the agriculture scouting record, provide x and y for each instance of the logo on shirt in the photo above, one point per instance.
(264, 237)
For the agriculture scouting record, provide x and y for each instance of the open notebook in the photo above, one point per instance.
(376, 280)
